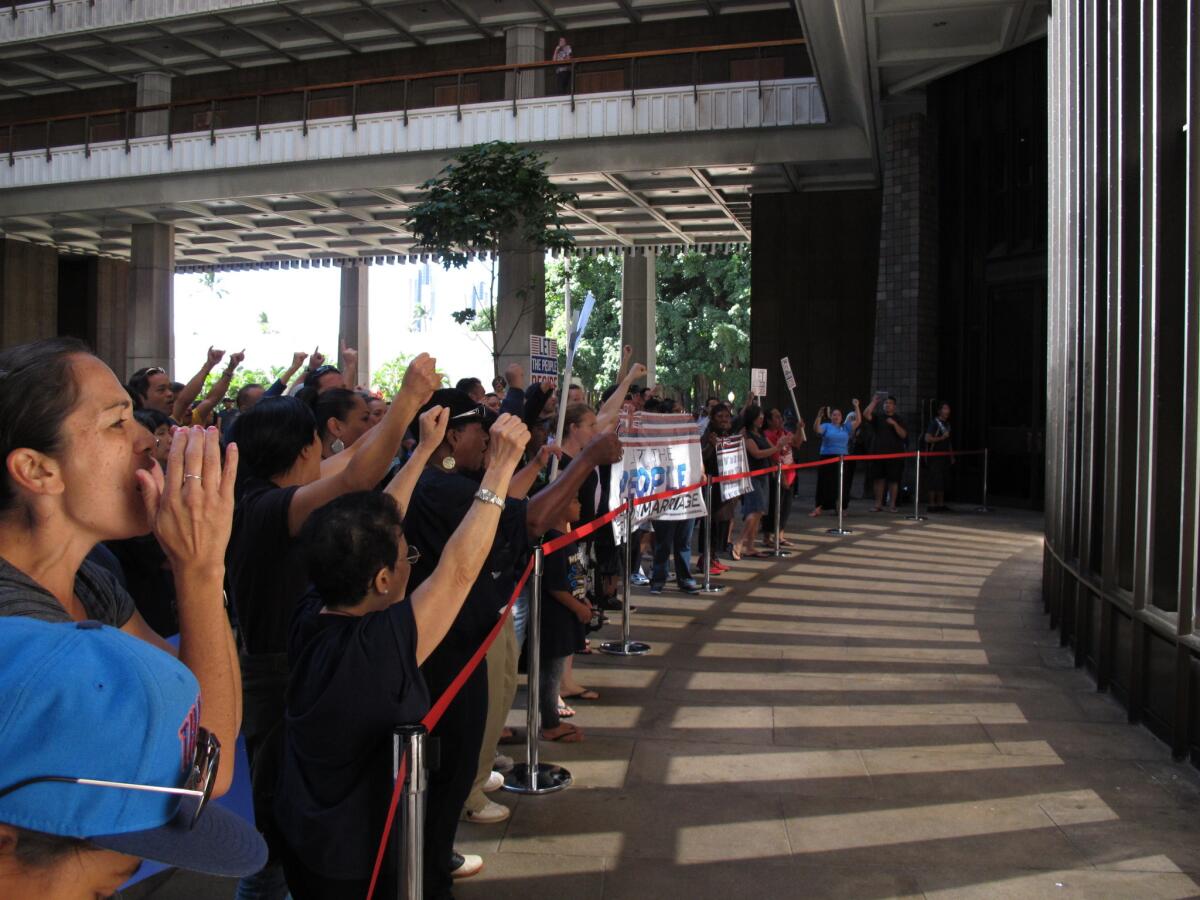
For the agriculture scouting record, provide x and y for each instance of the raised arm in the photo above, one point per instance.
(433, 428)
(755, 452)
(282, 382)
(818, 421)
(514, 395)
(869, 412)
(549, 505)
(349, 363)
(316, 359)
(612, 406)
(380, 445)
(192, 389)
(217, 392)
(858, 416)
(524, 479)
(626, 359)
(437, 601)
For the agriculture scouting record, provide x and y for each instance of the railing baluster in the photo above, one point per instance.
(48, 124)
(458, 96)
(12, 160)
(405, 102)
(258, 117)
(633, 81)
(304, 121)
(354, 108)
(87, 137)
(212, 123)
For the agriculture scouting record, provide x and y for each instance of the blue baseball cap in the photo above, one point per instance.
(82, 700)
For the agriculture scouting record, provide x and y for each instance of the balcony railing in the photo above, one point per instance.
(695, 66)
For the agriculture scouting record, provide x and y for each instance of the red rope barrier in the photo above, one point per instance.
(443, 702)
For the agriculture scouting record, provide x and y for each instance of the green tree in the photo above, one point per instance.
(703, 323)
(387, 378)
(241, 378)
(489, 193)
(599, 353)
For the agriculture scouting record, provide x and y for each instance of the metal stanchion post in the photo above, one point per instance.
(626, 647)
(709, 587)
(409, 834)
(916, 513)
(983, 506)
(779, 508)
(533, 776)
(840, 530)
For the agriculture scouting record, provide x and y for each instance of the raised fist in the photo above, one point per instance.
(215, 356)
(433, 425)
(421, 378)
(298, 358)
(506, 441)
(605, 448)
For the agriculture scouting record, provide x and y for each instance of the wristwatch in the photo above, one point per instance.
(489, 497)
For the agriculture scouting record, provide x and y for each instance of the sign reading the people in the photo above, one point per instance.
(731, 459)
(543, 360)
(662, 452)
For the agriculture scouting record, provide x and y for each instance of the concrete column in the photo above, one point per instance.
(905, 359)
(354, 321)
(150, 331)
(639, 299)
(523, 44)
(109, 291)
(152, 88)
(520, 300)
(28, 292)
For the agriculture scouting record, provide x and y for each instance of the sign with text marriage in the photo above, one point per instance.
(662, 452)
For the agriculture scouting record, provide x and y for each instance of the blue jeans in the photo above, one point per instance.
(672, 539)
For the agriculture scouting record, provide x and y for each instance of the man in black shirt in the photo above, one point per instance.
(890, 437)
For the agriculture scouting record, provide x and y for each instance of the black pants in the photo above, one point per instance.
(264, 687)
(460, 736)
(307, 884)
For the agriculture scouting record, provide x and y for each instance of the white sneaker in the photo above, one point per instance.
(494, 783)
(470, 865)
(489, 815)
(502, 763)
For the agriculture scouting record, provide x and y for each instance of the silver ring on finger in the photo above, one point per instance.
(197, 477)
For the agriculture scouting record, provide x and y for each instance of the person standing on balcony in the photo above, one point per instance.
(562, 53)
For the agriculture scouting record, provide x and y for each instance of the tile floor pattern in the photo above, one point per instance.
(880, 715)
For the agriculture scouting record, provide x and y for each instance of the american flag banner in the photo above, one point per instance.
(662, 452)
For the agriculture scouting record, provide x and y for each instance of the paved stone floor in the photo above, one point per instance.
(880, 715)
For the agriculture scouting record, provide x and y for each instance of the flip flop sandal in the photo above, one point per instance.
(565, 712)
(571, 736)
(585, 694)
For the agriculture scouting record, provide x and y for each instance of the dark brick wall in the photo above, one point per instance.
(905, 358)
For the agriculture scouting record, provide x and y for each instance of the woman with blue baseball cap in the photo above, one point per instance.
(103, 763)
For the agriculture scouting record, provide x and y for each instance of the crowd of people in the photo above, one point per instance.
(325, 562)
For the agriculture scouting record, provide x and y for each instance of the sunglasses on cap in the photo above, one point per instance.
(147, 372)
(193, 796)
(479, 413)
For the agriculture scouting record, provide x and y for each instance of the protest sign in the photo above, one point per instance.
(758, 382)
(543, 360)
(788, 377)
(662, 452)
(731, 459)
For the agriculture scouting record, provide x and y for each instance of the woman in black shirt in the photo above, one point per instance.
(355, 646)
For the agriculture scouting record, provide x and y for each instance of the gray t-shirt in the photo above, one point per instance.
(98, 590)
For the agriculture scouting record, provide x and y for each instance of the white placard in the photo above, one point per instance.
(758, 382)
(731, 459)
(662, 452)
(788, 377)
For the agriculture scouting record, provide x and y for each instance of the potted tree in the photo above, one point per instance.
(491, 200)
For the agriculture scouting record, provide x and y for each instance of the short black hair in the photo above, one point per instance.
(38, 390)
(151, 419)
(653, 405)
(347, 541)
(242, 392)
(139, 382)
(271, 436)
(465, 384)
(750, 415)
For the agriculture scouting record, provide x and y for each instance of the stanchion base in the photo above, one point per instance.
(838, 532)
(550, 778)
(915, 518)
(982, 509)
(712, 589)
(625, 648)
(779, 554)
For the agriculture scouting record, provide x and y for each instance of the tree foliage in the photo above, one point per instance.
(486, 192)
(703, 323)
(387, 378)
(599, 353)
(241, 378)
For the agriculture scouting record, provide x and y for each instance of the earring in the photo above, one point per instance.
(449, 463)
(337, 446)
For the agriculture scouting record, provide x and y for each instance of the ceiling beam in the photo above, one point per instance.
(716, 198)
(621, 186)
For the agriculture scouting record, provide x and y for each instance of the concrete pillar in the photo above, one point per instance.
(639, 299)
(354, 320)
(150, 331)
(905, 359)
(524, 44)
(520, 300)
(109, 296)
(152, 88)
(28, 292)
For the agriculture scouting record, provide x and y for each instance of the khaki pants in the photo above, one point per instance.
(502, 690)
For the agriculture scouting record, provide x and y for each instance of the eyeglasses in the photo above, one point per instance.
(193, 796)
(146, 373)
(413, 556)
(323, 370)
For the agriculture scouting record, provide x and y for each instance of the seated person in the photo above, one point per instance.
(84, 701)
(356, 641)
